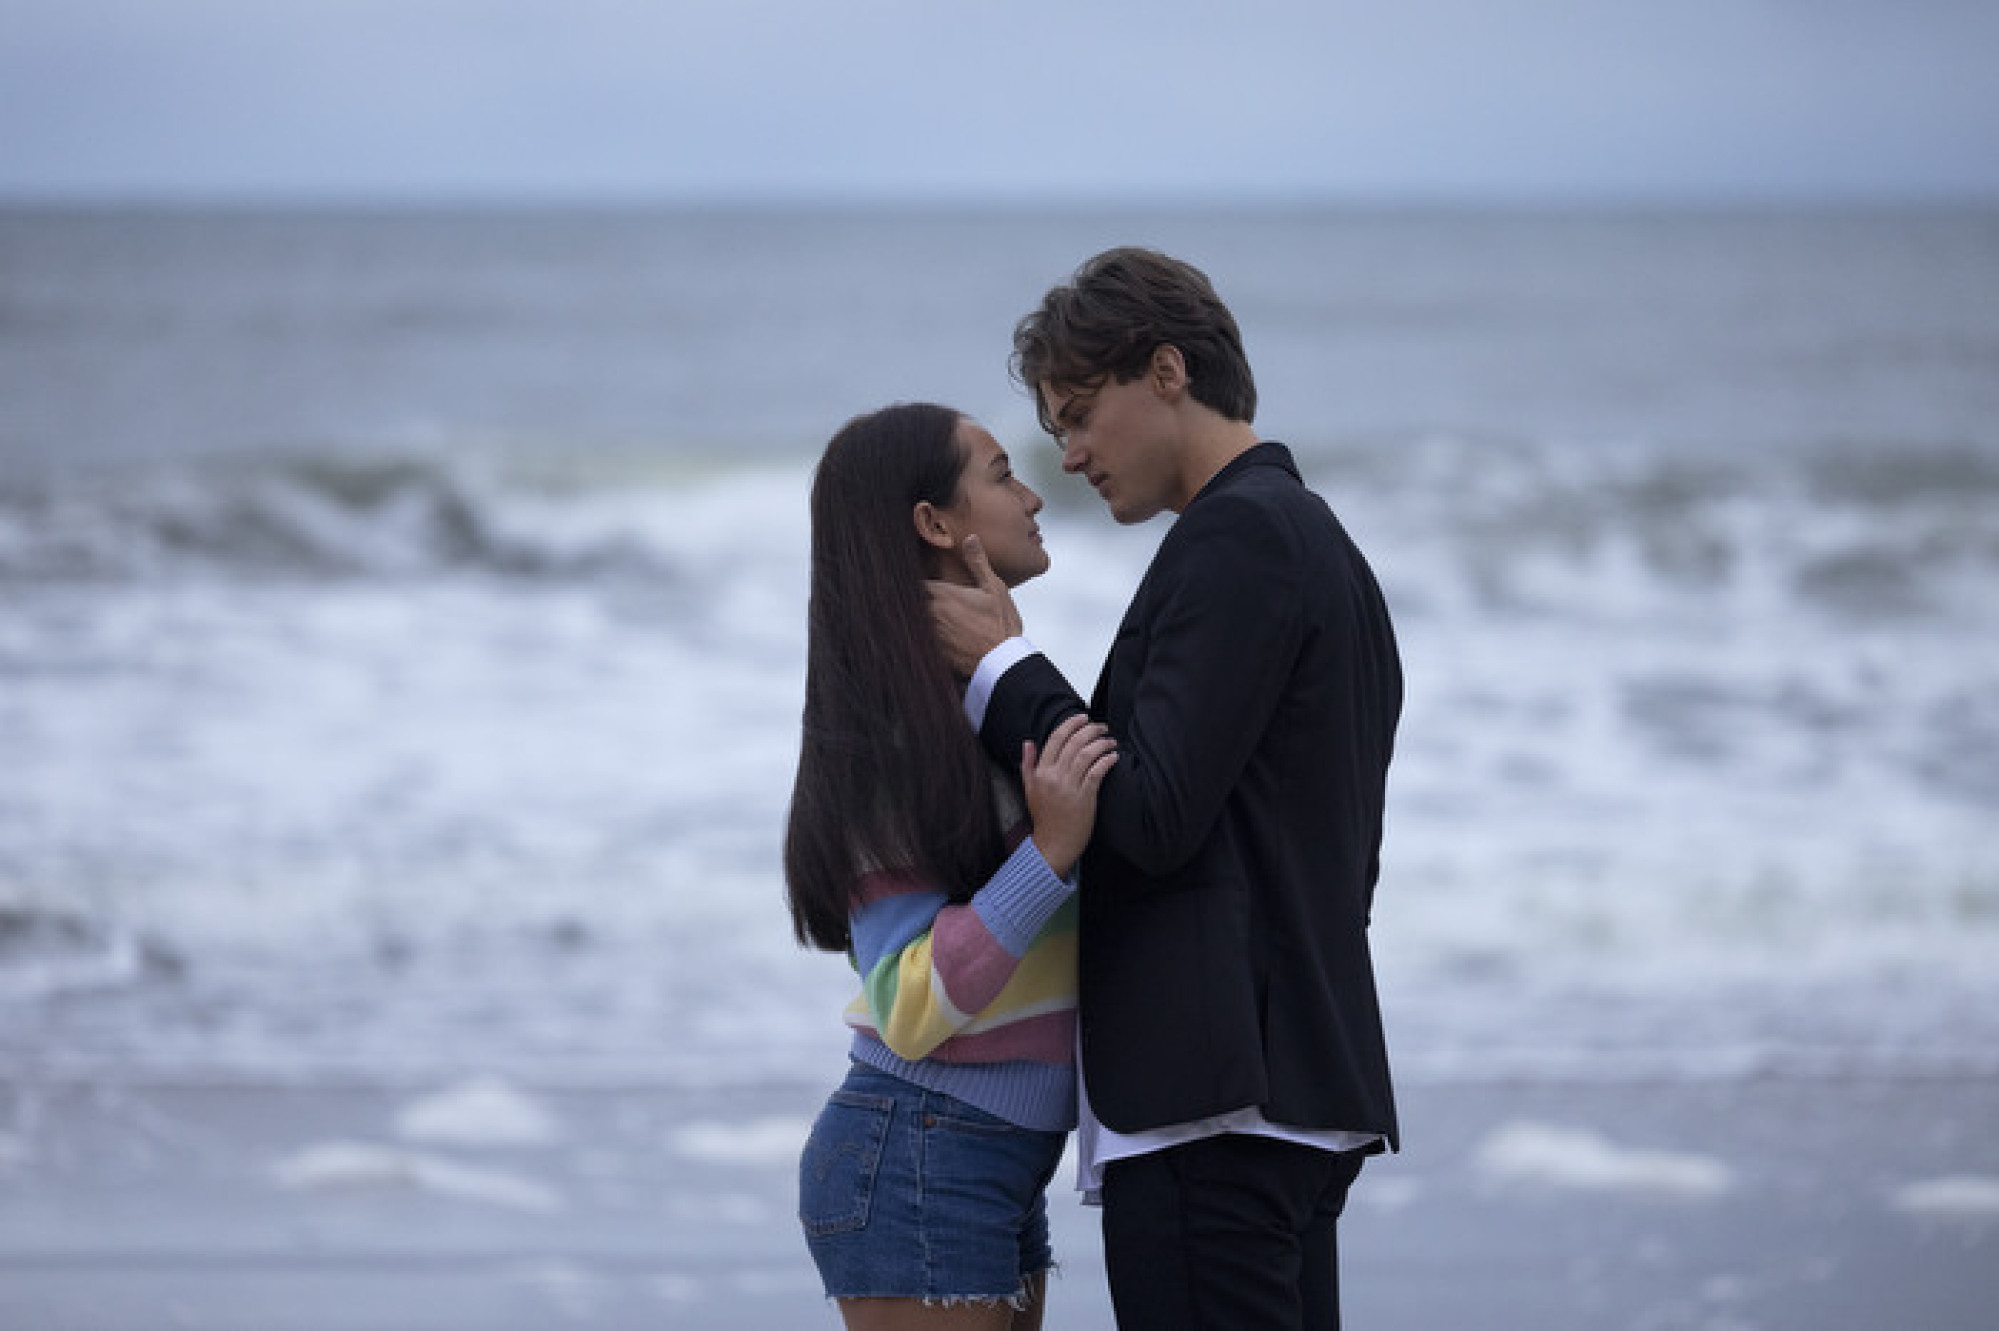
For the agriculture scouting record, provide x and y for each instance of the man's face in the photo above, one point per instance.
(1120, 437)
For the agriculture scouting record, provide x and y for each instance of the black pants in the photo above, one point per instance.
(1229, 1233)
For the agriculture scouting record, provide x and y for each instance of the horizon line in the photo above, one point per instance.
(1693, 201)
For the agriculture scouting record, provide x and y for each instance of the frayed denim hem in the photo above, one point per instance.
(1018, 1300)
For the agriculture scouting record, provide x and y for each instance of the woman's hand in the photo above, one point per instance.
(1061, 783)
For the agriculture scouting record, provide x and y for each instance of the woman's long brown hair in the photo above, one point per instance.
(890, 775)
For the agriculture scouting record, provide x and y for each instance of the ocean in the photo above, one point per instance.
(402, 621)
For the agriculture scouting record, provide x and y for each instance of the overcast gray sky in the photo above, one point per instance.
(1033, 99)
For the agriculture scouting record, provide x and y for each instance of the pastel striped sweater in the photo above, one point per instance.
(976, 1000)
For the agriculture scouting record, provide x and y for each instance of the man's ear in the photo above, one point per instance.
(932, 526)
(1168, 370)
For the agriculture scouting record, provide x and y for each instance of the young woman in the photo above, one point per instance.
(949, 883)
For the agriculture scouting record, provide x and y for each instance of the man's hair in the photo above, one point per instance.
(1119, 308)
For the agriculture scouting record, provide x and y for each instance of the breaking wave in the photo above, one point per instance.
(324, 518)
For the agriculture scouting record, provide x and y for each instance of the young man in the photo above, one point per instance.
(1234, 1070)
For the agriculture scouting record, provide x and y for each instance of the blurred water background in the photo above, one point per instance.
(401, 620)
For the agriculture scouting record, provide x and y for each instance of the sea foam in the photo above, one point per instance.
(480, 1112)
(1553, 1156)
(337, 1166)
(1951, 1197)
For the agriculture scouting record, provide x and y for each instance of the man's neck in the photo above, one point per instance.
(1215, 443)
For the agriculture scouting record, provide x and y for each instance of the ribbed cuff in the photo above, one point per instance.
(1020, 898)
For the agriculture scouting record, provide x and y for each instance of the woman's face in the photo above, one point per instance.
(997, 507)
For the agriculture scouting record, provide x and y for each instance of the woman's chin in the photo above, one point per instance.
(1014, 578)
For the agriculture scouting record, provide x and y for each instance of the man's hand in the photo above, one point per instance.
(971, 621)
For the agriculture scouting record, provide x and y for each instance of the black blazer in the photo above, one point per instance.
(1254, 689)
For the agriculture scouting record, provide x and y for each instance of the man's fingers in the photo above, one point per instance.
(975, 562)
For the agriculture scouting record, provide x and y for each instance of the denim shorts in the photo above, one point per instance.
(909, 1193)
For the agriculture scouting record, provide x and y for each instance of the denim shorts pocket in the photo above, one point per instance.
(836, 1173)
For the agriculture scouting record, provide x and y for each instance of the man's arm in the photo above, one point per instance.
(1222, 634)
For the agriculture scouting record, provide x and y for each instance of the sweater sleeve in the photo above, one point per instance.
(928, 968)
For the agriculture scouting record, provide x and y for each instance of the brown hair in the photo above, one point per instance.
(889, 774)
(1118, 309)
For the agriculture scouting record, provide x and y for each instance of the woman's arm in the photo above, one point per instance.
(929, 968)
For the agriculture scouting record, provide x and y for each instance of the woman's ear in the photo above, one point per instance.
(933, 527)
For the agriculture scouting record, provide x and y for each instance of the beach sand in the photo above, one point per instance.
(1801, 1203)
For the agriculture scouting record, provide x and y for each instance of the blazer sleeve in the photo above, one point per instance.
(1223, 621)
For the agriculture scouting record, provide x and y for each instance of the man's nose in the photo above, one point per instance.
(1072, 459)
